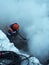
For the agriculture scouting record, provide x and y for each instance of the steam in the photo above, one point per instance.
(32, 16)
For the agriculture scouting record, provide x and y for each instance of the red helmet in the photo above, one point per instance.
(15, 26)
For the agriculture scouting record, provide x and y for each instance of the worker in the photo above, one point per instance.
(13, 30)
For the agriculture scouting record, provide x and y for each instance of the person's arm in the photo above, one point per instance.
(10, 29)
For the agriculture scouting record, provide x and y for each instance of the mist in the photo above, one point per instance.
(33, 18)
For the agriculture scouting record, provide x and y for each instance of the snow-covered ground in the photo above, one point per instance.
(33, 18)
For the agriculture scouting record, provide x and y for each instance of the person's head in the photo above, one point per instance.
(16, 26)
